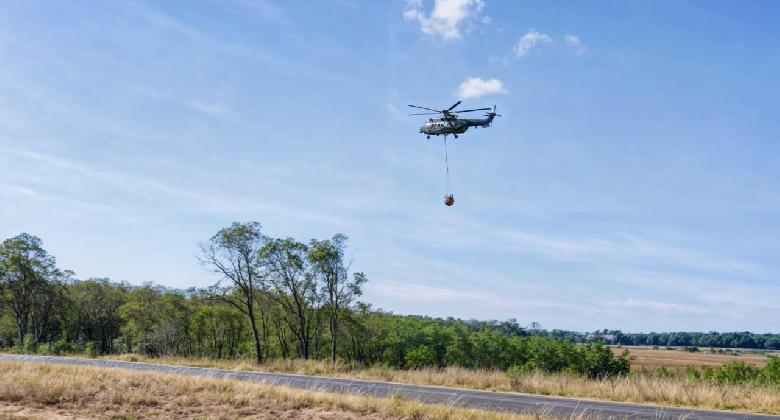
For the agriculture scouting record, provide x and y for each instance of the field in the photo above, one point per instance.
(677, 392)
(30, 390)
(678, 359)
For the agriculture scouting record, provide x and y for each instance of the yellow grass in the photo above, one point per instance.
(635, 388)
(678, 359)
(51, 391)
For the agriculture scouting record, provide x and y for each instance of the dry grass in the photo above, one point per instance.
(634, 388)
(50, 391)
(655, 390)
(678, 359)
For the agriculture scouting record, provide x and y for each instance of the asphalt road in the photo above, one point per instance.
(498, 401)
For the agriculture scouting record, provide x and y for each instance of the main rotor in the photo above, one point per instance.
(448, 112)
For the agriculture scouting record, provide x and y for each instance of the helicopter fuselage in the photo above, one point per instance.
(453, 125)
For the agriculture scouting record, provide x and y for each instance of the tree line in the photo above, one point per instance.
(271, 298)
(745, 339)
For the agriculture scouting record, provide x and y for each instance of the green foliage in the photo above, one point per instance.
(736, 372)
(771, 371)
(692, 373)
(600, 362)
(663, 372)
(29, 344)
(420, 357)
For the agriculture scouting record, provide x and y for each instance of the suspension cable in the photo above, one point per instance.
(447, 167)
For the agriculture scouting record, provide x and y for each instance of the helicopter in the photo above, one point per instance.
(451, 123)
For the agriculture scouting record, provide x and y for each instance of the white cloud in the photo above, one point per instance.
(574, 42)
(474, 87)
(529, 41)
(419, 293)
(447, 17)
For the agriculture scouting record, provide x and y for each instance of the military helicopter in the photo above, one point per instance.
(451, 123)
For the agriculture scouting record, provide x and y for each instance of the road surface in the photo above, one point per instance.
(497, 401)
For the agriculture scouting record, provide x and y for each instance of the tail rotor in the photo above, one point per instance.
(492, 113)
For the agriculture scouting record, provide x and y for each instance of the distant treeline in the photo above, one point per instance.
(745, 340)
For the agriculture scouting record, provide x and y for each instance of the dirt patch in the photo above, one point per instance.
(72, 412)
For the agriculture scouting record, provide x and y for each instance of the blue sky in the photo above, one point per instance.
(632, 182)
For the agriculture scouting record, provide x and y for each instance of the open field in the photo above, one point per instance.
(678, 359)
(31, 390)
(676, 392)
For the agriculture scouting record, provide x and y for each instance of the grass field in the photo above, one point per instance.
(32, 390)
(678, 359)
(679, 392)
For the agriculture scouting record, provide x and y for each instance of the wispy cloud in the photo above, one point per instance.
(266, 9)
(428, 294)
(616, 248)
(199, 39)
(15, 190)
(115, 178)
(663, 307)
(529, 41)
(574, 42)
(475, 87)
(448, 17)
(216, 109)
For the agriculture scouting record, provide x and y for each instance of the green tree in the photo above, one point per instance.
(292, 285)
(26, 275)
(599, 361)
(95, 307)
(327, 260)
(234, 254)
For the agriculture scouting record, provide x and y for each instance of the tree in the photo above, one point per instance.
(96, 304)
(292, 286)
(25, 270)
(233, 253)
(327, 260)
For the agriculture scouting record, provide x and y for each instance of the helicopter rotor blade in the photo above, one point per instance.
(472, 110)
(427, 113)
(452, 107)
(422, 107)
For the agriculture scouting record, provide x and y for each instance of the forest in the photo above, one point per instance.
(274, 298)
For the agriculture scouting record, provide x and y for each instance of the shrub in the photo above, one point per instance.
(693, 373)
(91, 349)
(30, 345)
(663, 372)
(60, 346)
(771, 372)
(736, 372)
(420, 357)
(600, 362)
(43, 349)
(515, 375)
